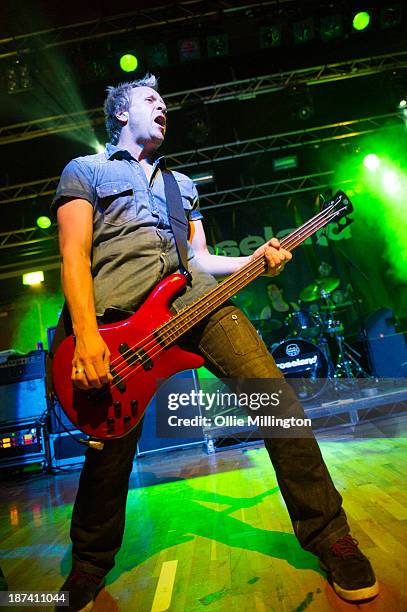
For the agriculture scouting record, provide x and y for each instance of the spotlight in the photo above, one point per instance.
(361, 20)
(371, 162)
(128, 62)
(218, 45)
(303, 31)
(44, 222)
(97, 69)
(390, 16)
(18, 77)
(157, 55)
(300, 102)
(285, 163)
(331, 27)
(270, 36)
(33, 278)
(198, 122)
(403, 104)
(189, 49)
(12, 80)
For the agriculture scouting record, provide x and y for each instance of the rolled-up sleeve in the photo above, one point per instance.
(75, 182)
(195, 213)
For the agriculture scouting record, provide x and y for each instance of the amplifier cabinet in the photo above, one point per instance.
(22, 387)
(387, 347)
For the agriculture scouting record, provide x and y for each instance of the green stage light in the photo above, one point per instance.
(128, 62)
(403, 103)
(33, 278)
(331, 27)
(270, 36)
(44, 222)
(371, 162)
(361, 20)
(217, 45)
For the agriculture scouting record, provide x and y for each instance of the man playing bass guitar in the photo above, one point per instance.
(117, 243)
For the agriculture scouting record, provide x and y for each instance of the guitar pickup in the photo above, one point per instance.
(118, 380)
(135, 356)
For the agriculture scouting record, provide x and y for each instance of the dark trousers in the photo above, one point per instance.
(232, 349)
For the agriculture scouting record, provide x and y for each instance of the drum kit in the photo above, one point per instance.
(314, 349)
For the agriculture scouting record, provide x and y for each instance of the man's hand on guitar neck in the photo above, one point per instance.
(90, 363)
(276, 256)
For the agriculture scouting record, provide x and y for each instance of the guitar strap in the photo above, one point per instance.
(178, 220)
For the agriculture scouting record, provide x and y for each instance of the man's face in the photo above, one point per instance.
(147, 116)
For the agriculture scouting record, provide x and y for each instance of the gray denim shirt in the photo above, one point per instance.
(133, 244)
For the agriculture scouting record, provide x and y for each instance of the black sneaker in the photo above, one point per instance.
(349, 571)
(83, 589)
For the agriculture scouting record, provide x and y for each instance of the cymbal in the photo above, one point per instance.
(265, 326)
(313, 292)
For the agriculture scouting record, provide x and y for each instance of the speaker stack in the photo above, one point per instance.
(23, 408)
(387, 347)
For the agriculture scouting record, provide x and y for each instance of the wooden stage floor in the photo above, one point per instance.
(211, 533)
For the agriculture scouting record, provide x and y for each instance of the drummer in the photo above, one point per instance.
(278, 307)
(340, 297)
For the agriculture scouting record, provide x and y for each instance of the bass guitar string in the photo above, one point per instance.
(285, 243)
(176, 333)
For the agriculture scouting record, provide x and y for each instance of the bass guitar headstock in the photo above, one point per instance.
(339, 206)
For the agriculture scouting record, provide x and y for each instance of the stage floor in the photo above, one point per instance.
(212, 532)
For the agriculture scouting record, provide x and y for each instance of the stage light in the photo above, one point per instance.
(331, 27)
(303, 31)
(390, 16)
(128, 62)
(285, 163)
(97, 69)
(189, 49)
(402, 104)
(217, 45)
(371, 162)
(99, 148)
(157, 55)
(197, 122)
(270, 36)
(361, 20)
(18, 77)
(391, 182)
(33, 278)
(300, 102)
(44, 222)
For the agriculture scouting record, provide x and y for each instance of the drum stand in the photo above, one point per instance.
(347, 362)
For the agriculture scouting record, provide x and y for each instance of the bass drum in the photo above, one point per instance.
(305, 364)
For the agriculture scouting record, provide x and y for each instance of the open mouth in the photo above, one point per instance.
(160, 120)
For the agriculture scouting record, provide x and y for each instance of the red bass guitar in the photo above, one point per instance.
(144, 347)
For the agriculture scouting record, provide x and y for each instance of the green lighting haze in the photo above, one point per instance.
(380, 199)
